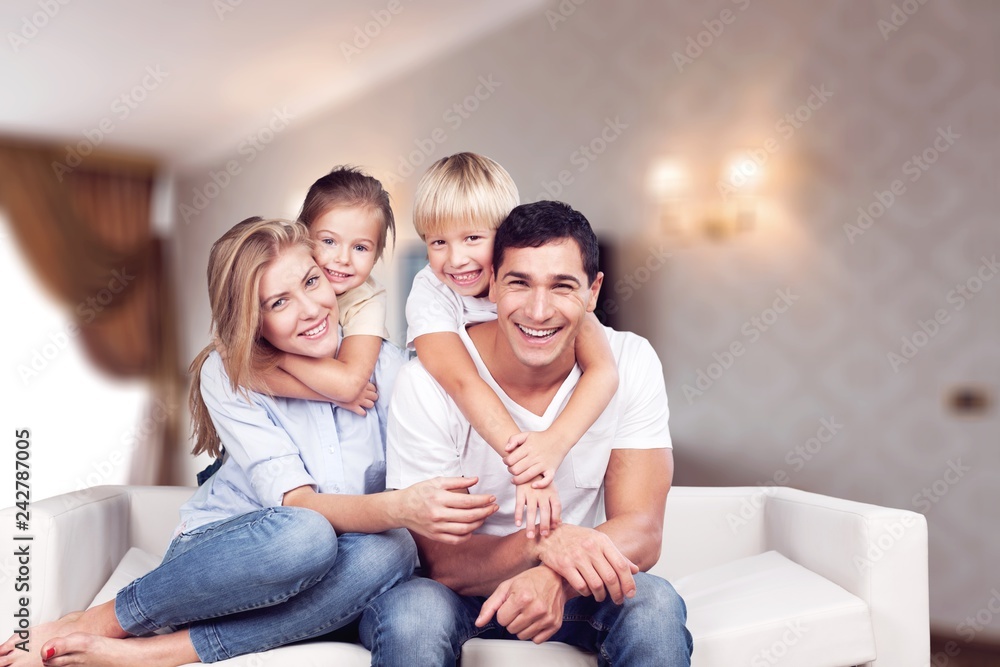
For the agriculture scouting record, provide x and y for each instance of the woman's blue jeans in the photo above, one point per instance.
(262, 580)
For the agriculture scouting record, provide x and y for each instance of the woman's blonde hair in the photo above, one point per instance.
(460, 189)
(235, 267)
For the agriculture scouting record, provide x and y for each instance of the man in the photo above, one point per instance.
(584, 584)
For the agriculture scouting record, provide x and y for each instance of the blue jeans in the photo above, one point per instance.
(262, 580)
(422, 622)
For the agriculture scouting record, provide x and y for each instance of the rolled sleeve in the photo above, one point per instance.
(259, 446)
(363, 310)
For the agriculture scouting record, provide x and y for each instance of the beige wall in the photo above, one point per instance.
(556, 86)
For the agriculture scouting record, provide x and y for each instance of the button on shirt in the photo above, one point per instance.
(275, 444)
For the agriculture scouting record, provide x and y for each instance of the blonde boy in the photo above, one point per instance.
(460, 202)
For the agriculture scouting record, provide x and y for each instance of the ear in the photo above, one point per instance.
(493, 287)
(595, 290)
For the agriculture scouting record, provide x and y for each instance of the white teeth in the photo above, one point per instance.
(318, 330)
(464, 277)
(537, 333)
(338, 274)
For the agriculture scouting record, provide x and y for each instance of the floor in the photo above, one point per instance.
(967, 656)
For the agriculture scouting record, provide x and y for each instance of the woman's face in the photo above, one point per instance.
(298, 305)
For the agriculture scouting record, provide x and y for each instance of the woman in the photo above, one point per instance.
(289, 540)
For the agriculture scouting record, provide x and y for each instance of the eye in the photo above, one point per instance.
(329, 242)
(564, 287)
(436, 243)
(473, 238)
(361, 248)
(278, 303)
(311, 281)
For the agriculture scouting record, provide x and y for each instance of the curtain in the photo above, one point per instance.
(86, 233)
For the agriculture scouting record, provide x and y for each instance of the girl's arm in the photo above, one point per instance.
(444, 356)
(343, 379)
(541, 453)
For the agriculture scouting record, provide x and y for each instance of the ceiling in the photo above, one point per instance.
(185, 81)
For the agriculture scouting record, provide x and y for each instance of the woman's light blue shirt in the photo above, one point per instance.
(276, 444)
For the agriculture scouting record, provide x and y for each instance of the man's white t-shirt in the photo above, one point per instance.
(428, 436)
(433, 307)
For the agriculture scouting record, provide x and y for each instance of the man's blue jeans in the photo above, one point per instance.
(262, 580)
(422, 622)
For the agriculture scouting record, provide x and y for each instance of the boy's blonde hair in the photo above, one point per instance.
(236, 265)
(463, 188)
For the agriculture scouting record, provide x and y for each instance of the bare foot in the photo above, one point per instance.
(99, 620)
(10, 654)
(95, 651)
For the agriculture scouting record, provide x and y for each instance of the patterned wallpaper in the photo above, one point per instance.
(888, 106)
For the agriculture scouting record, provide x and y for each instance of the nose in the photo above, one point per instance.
(311, 308)
(342, 253)
(457, 257)
(540, 305)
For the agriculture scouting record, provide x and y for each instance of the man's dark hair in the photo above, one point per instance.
(534, 225)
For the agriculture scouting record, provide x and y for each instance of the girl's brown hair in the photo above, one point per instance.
(349, 186)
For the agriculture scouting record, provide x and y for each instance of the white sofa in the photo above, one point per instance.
(771, 576)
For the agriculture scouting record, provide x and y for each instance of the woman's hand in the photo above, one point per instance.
(441, 509)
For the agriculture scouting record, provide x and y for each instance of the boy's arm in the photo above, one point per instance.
(541, 453)
(343, 379)
(444, 356)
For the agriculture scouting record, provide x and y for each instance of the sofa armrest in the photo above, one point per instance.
(876, 553)
(77, 541)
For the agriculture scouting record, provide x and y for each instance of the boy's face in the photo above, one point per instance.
(346, 239)
(462, 258)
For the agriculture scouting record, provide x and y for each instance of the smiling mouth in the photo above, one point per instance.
(337, 275)
(465, 279)
(539, 334)
(318, 330)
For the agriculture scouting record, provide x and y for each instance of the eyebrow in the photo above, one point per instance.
(559, 277)
(270, 299)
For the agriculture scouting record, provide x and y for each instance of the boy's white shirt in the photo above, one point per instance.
(427, 434)
(433, 307)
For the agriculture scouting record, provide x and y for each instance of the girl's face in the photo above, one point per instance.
(346, 238)
(298, 305)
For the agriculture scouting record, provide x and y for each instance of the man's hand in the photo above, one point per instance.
(545, 503)
(589, 562)
(433, 508)
(530, 604)
(534, 456)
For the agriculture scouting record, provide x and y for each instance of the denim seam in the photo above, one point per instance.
(136, 617)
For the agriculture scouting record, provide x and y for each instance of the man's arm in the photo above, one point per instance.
(477, 566)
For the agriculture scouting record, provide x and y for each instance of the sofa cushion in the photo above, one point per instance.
(135, 564)
(765, 609)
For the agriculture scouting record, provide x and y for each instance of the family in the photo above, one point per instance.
(512, 488)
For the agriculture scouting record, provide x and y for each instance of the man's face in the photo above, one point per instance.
(542, 295)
